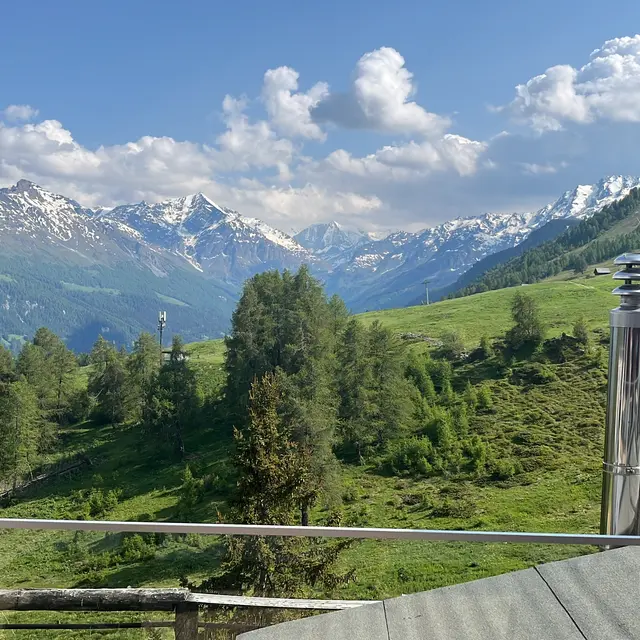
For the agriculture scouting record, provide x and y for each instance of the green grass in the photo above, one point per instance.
(170, 300)
(561, 302)
(85, 289)
(210, 352)
(554, 429)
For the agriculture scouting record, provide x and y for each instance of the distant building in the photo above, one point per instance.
(166, 355)
(601, 271)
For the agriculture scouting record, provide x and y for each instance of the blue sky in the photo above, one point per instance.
(377, 114)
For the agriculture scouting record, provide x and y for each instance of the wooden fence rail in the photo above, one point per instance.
(184, 603)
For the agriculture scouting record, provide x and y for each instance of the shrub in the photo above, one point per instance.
(485, 399)
(452, 345)
(581, 332)
(410, 456)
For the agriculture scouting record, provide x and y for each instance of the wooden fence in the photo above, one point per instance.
(184, 604)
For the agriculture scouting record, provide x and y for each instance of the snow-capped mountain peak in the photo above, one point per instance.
(586, 199)
(329, 238)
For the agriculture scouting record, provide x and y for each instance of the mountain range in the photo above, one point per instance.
(85, 271)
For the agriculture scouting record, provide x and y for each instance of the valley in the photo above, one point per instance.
(83, 272)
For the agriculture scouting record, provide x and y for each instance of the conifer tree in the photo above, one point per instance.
(20, 430)
(272, 482)
(108, 381)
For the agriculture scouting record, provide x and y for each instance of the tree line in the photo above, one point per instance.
(41, 391)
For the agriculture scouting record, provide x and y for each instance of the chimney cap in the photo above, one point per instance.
(628, 258)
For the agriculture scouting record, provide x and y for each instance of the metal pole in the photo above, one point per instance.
(620, 515)
(518, 537)
(162, 321)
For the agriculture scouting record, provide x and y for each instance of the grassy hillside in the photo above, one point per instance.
(552, 427)
(562, 301)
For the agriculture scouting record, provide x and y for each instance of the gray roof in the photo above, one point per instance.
(591, 597)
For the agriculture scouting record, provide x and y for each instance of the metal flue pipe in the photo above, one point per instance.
(620, 513)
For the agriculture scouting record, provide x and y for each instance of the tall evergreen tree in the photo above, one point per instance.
(108, 381)
(272, 482)
(284, 323)
(353, 384)
(173, 402)
(32, 365)
(20, 430)
(143, 365)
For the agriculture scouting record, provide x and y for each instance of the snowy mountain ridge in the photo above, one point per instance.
(211, 241)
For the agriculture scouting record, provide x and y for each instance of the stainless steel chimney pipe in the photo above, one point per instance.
(620, 513)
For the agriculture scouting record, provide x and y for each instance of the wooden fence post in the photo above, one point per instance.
(186, 621)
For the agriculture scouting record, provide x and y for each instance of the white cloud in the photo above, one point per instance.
(409, 161)
(245, 145)
(18, 113)
(289, 110)
(607, 87)
(379, 99)
(156, 168)
(541, 169)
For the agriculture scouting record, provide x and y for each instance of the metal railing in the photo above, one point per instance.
(321, 532)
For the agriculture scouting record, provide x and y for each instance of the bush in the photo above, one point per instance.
(452, 345)
(96, 503)
(485, 399)
(503, 469)
(581, 332)
(410, 456)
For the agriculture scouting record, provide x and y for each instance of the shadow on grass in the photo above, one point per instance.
(166, 569)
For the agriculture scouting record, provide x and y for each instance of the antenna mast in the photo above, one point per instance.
(162, 323)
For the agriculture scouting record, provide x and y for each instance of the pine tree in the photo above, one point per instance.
(143, 365)
(353, 383)
(391, 401)
(63, 365)
(272, 481)
(470, 396)
(283, 322)
(6, 362)
(173, 402)
(485, 399)
(486, 348)
(108, 381)
(32, 364)
(417, 371)
(581, 332)
(20, 430)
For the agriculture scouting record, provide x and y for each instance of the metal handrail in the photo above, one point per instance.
(324, 532)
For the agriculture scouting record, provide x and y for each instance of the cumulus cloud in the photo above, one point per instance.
(289, 110)
(409, 161)
(245, 145)
(607, 87)
(379, 99)
(18, 113)
(155, 168)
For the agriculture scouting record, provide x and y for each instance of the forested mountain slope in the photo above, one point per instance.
(605, 235)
